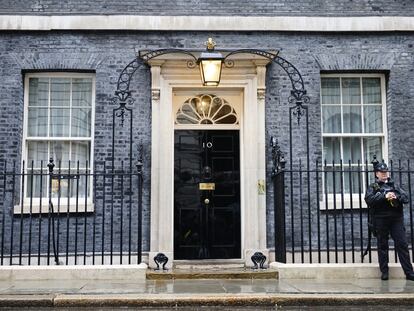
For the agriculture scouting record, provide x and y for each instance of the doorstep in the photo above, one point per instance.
(224, 273)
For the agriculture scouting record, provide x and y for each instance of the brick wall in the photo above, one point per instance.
(107, 53)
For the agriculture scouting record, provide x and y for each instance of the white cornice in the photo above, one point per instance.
(206, 23)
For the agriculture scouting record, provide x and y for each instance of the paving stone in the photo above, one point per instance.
(110, 287)
(256, 286)
(44, 287)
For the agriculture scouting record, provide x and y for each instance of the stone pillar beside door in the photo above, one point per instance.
(255, 136)
(160, 194)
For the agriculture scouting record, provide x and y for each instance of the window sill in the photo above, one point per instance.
(36, 208)
(338, 204)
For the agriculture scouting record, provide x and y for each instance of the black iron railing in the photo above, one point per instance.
(321, 215)
(70, 214)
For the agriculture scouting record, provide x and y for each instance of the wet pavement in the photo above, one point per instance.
(186, 295)
(171, 287)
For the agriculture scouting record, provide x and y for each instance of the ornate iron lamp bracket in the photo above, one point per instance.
(297, 96)
(124, 99)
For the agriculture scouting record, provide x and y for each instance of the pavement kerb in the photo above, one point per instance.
(165, 300)
(46, 300)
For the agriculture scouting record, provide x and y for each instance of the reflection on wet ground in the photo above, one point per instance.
(174, 289)
(210, 287)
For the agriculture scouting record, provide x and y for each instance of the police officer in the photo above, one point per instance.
(386, 201)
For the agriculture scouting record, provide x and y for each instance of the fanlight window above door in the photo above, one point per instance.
(206, 109)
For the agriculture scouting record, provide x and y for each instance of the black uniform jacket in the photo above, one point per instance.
(375, 199)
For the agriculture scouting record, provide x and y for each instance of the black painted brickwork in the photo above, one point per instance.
(108, 53)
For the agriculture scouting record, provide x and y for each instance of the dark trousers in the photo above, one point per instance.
(395, 227)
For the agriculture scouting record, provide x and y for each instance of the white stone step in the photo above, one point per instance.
(209, 264)
(334, 271)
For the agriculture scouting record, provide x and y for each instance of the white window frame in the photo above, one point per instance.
(336, 198)
(33, 204)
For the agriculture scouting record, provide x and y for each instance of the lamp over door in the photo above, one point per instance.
(210, 64)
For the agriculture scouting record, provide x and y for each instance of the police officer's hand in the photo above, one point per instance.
(390, 196)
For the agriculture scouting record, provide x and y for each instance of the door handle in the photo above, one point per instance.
(206, 201)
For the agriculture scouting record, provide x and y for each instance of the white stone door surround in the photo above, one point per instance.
(170, 75)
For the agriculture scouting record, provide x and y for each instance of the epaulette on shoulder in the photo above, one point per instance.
(374, 186)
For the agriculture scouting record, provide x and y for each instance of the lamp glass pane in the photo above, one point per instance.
(210, 71)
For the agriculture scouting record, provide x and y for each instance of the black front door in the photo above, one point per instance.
(206, 194)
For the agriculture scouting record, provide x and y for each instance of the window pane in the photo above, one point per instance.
(351, 178)
(331, 119)
(81, 122)
(330, 91)
(59, 122)
(38, 92)
(331, 149)
(36, 183)
(371, 90)
(60, 92)
(78, 188)
(37, 122)
(351, 94)
(333, 173)
(373, 146)
(82, 92)
(188, 116)
(216, 104)
(80, 152)
(60, 185)
(352, 119)
(230, 119)
(373, 119)
(352, 149)
(184, 119)
(37, 152)
(223, 110)
(60, 151)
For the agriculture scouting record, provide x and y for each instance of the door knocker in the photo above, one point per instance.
(207, 173)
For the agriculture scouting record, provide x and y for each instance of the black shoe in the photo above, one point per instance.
(384, 276)
(410, 276)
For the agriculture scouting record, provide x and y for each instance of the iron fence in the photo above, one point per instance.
(70, 214)
(320, 213)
